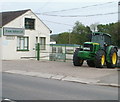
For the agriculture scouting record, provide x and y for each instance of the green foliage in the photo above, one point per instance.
(63, 38)
(80, 34)
(113, 29)
(54, 37)
(79, 28)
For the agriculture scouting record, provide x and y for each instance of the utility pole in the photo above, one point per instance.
(69, 35)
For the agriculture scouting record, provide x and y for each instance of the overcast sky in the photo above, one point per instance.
(67, 12)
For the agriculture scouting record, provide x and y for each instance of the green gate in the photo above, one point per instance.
(55, 52)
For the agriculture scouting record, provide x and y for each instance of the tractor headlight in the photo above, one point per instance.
(88, 47)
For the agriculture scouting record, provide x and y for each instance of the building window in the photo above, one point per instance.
(29, 23)
(22, 44)
(42, 43)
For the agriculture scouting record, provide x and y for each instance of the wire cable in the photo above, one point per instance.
(46, 3)
(77, 8)
(57, 23)
(91, 15)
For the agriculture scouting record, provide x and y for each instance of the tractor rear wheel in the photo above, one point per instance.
(76, 60)
(90, 63)
(100, 59)
(113, 59)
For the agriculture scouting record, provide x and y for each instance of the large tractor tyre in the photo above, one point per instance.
(76, 60)
(100, 59)
(113, 58)
(90, 63)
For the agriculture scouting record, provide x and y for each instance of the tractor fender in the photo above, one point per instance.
(108, 49)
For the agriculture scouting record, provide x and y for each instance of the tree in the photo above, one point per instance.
(79, 28)
(113, 30)
(83, 32)
(63, 38)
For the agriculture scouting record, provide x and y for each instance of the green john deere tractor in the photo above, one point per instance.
(98, 53)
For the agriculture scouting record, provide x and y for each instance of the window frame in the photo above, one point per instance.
(19, 42)
(29, 26)
(43, 46)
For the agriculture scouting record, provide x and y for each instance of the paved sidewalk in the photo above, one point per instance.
(62, 71)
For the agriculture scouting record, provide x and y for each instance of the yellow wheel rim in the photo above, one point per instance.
(103, 59)
(114, 58)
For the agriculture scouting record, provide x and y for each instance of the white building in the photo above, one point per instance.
(19, 32)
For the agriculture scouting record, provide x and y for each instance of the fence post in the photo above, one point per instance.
(65, 54)
(38, 51)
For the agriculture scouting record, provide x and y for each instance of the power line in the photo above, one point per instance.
(46, 3)
(91, 15)
(58, 23)
(78, 8)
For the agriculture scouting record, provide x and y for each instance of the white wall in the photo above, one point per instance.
(52, 42)
(9, 47)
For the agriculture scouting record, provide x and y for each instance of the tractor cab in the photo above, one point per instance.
(103, 39)
(98, 40)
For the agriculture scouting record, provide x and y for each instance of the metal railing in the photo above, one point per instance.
(55, 52)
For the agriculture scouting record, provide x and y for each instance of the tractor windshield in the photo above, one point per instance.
(98, 39)
(101, 39)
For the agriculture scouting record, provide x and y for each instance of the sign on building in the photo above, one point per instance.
(14, 31)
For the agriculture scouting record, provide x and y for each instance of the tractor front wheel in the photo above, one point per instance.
(100, 59)
(113, 59)
(76, 60)
(90, 63)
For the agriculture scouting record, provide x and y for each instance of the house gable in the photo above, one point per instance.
(11, 15)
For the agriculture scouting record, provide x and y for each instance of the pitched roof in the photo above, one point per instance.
(11, 15)
(7, 17)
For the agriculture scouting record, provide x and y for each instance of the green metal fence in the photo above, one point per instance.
(55, 52)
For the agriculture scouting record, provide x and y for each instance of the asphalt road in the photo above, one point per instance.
(18, 87)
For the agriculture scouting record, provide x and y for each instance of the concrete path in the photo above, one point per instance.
(63, 71)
